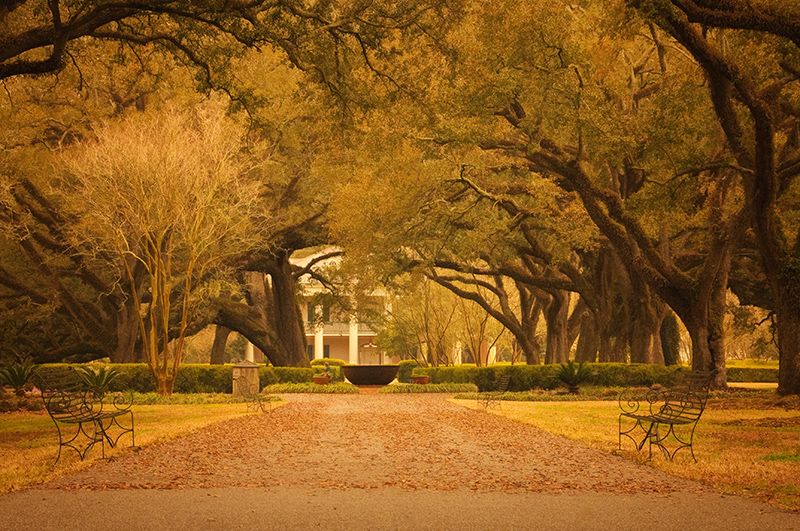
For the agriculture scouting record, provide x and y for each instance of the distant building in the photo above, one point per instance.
(331, 333)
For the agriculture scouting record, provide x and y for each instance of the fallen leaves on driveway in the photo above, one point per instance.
(374, 441)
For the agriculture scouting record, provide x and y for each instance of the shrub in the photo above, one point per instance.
(202, 378)
(13, 402)
(154, 398)
(430, 388)
(747, 374)
(405, 370)
(17, 376)
(136, 377)
(100, 378)
(336, 388)
(192, 378)
(333, 362)
(275, 375)
(634, 374)
(573, 374)
(526, 377)
(540, 395)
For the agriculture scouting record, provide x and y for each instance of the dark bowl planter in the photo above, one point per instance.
(370, 374)
(420, 380)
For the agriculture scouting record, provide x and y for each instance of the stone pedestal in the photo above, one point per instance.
(245, 378)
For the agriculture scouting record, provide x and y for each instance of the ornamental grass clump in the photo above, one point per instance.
(572, 374)
(17, 377)
(98, 379)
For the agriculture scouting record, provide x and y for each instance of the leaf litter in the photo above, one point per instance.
(374, 441)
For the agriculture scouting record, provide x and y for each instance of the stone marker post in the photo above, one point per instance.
(245, 373)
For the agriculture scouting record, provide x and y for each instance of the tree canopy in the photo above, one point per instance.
(590, 166)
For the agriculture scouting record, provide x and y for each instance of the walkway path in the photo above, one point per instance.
(378, 462)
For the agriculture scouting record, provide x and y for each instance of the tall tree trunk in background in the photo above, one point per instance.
(576, 318)
(589, 339)
(704, 320)
(670, 339)
(645, 338)
(221, 335)
(530, 310)
(765, 144)
(613, 312)
(556, 316)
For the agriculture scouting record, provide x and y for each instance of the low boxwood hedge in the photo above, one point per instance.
(527, 377)
(742, 374)
(307, 387)
(429, 388)
(333, 362)
(198, 378)
(204, 378)
(405, 370)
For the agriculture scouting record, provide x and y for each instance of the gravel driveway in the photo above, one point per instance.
(374, 461)
(373, 441)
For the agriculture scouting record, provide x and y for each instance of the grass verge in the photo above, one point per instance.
(743, 445)
(29, 440)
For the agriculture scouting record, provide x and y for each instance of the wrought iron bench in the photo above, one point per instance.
(250, 392)
(93, 414)
(665, 416)
(493, 398)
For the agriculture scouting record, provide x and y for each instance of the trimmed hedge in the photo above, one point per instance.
(333, 362)
(527, 377)
(305, 387)
(742, 374)
(429, 388)
(405, 370)
(275, 375)
(203, 378)
(197, 378)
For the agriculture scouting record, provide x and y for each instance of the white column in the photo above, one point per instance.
(319, 344)
(353, 341)
(249, 355)
(319, 334)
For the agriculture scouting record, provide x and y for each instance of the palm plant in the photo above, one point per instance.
(17, 376)
(98, 378)
(573, 374)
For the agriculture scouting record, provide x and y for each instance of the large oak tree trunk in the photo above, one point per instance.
(284, 312)
(127, 332)
(788, 324)
(645, 338)
(273, 319)
(221, 335)
(705, 323)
